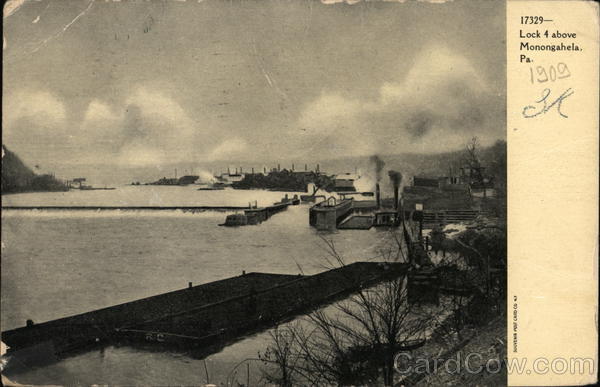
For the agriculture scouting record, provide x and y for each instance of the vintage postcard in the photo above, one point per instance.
(299, 193)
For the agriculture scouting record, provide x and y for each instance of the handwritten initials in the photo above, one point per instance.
(531, 111)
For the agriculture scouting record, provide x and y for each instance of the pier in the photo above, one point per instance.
(205, 314)
(257, 215)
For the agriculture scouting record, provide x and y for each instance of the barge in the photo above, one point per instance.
(207, 314)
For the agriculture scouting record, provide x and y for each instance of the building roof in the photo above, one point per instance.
(364, 204)
(347, 176)
(340, 183)
(426, 182)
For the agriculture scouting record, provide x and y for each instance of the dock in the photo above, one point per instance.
(443, 217)
(327, 214)
(257, 215)
(202, 315)
(356, 222)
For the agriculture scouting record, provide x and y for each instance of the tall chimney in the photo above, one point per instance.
(240, 170)
(253, 170)
(396, 189)
(292, 166)
(318, 168)
(278, 167)
(305, 167)
(378, 195)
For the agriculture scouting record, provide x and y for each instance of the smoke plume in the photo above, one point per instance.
(206, 176)
(378, 164)
(395, 177)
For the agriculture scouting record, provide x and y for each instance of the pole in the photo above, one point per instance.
(206, 371)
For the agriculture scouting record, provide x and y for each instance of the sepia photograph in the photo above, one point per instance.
(254, 193)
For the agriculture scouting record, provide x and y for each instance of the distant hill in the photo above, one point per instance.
(409, 164)
(493, 158)
(17, 177)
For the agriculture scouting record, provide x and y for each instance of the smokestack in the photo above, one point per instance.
(305, 167)
(378, 195)
(253, 170)
(292, 166)
(318, 168)
(240, 170)
(278, 167)
(228, 171)
(396, 178)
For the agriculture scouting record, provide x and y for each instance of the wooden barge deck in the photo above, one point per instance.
(205, 314)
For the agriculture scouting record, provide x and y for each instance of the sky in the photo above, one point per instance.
(150, 83)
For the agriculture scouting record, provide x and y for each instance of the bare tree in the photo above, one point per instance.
(358, 344)
(472, 155)
(467, 270)
(282, 357)
(354, 341)
(473, 161)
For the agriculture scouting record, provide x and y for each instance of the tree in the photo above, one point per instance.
(352, 342)
(473, 162)
(476, 261)
(282, 356)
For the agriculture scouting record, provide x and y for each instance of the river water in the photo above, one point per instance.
(59, 263)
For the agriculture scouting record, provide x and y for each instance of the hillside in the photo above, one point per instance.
(17, 177)
(409, 164)
(493, 158)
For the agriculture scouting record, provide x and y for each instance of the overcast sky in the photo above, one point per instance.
(151, 82)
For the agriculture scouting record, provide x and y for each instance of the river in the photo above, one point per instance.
(59, 263)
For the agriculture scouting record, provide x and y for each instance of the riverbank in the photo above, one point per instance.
(485, 345)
